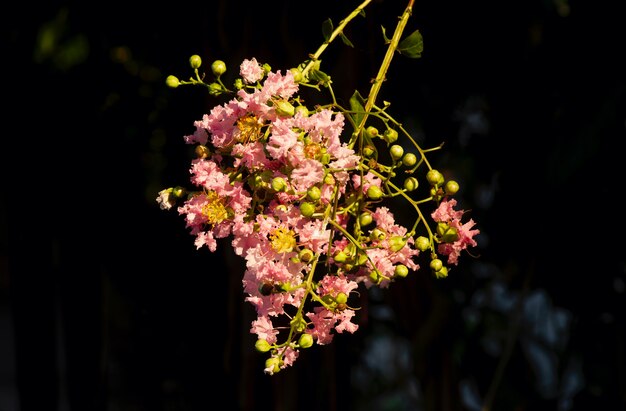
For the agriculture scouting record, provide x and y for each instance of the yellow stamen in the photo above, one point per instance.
(283, 240)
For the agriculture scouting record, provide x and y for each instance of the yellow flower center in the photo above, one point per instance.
(249, 128)
(283, 240)
(215, 209)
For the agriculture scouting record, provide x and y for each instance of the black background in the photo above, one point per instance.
(110, 307)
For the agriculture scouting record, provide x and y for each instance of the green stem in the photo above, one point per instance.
(342, 25)
(384, 67)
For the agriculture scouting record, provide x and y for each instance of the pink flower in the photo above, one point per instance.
(251, 71)
(264, 329)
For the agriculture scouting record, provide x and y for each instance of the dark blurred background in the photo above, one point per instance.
(105, 304)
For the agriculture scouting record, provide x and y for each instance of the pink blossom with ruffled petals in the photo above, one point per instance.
(251, 71)
(264, 329)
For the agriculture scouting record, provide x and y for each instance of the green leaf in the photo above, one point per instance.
(346, 41)
(356, 105)
(387, 40)
(327, 29)
(412, 46)
(320, 77)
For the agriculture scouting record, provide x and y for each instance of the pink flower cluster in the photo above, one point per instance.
(276, 178)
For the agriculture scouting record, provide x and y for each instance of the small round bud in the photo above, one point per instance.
(305, 341)
(202, 151)
(279, 184)
(365, 219)
(307, 209)
(218, 67)
(215, 89)
(436, 264)
(451, 187)
(434, 177)
(443, 273)
(314, 193)
(371, 132)
(297, 75)
(262, 346)
(340, 257)
(238, 84)
(411, 184)
(304, 112)
(368, 151)
(305, 255)
(409, 159)
(284, 108)
(396, 152)
(401, 270)
(450, 236)
(341, 298)
(178, 192)
(375, 277)
(273, 363)
(195, 61)
(390, 136)
(374, 192)
(172, 81)
(377, 234)
(422, 243)
(396, 243)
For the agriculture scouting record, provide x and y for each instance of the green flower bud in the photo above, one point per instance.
(178, 192)
(340, 257)
(371, 132)
(409, 159)
(390, 136)
(341, 298)
(401, 270)
(284, 108)
(202, 151)
(218, 67)
(297, 75)
(368, 151)
(450, 236)
(451, 187)
(279, 184)
(422, 243)
(375, 277)
(374, 192)
(377, 234)
(396, 152)
(365, 219)
(314, 193)
(434, 177)
(262, 346)
(411, 184)
(266, 68)
(238, 84)
(195, 61)
(396, 243)
(307, 209)
(442, 228)
(304, 112)
(273, 363)
(305, 255)
(443, 273)
(361, 259)
(305, 340)
(172, 81)
(436, 264)
(215, 89)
